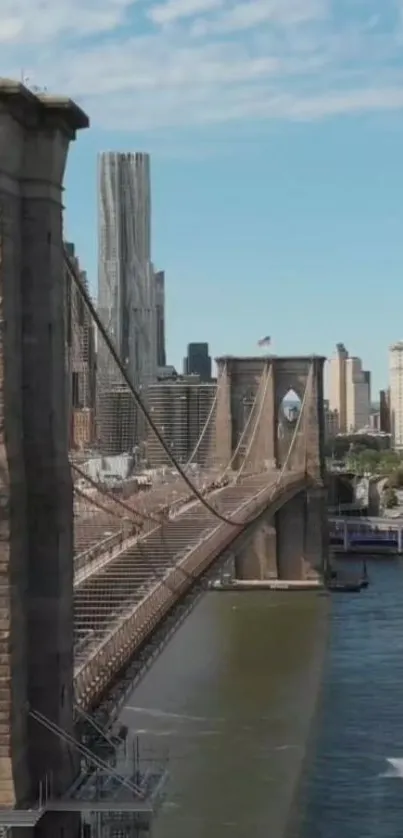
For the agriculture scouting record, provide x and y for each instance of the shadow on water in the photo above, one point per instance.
(231, 697)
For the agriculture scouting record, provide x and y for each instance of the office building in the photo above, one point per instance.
(375, 421)
(349, 392)
(198, 361)
(117, 431)
(159, 278)
(358, 405)
(367, 379)
(331, 423)
(80, 359)
(126, 287)
(337, 387)
(396, 394)
(181, 409)
(384, 411)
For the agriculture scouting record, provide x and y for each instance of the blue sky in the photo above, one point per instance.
(276, 134)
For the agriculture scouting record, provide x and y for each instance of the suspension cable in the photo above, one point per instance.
(267, 377)
(206, 425)
(103, 491)
(245, 429)
(139, 401)
(97, 504)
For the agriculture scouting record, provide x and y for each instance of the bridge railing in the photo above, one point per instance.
(103, 662)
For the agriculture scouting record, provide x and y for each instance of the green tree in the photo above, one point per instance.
(395, 480)
(390, 498)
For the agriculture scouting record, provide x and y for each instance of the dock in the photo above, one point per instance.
(346, 585)
(268, 585)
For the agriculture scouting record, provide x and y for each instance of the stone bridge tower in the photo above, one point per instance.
(292, 543)
(36, 526)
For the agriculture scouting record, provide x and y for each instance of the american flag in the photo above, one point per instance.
(264, 341)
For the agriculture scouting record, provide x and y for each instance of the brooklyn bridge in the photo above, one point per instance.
(88, 572)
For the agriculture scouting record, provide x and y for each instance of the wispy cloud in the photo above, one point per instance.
(143, 65)
(176, 9)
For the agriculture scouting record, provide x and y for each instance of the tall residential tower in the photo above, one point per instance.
(396, 393)
(126, 288)
(160, 317)
(349, 392)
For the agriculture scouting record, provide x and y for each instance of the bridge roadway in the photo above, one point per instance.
(123, 593)
(95, 530)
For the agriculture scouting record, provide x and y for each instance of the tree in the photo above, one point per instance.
(395, 480)
(390, 498)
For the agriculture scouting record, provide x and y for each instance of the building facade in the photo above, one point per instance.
(349, 392)
(198, 361)
(181, 410)
(358, 405)
(160, 317)
(384, 411)
(126, 287)
(337, 388)
(331, 421)
(80, 360)
(396, 393)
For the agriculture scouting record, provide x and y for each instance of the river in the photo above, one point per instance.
(233, 699)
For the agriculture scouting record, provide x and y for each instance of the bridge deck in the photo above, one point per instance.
(116, 608)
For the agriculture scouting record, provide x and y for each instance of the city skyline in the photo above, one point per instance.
(277, 177)
(115, 544)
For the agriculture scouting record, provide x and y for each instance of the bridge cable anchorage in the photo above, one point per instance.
(85, 752)
(74, 275)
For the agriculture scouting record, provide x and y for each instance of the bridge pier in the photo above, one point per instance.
(290, 529)
(316, 532)
(257, 559)
(290, 545)
(36, 546)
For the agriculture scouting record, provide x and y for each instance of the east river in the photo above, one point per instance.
(280, 712)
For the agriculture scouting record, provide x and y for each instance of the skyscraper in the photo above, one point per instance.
(126, 289)
(396, 393)
(357, 395)
(349, 391)
(160, 317)
(198, 361)
(384, 411)
(80, 357)
(337, 387)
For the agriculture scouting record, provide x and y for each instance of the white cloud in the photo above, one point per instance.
(137, 65)
(26, 22)
(174, 10)
(253, 13)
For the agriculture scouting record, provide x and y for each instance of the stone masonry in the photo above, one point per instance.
(36, 527)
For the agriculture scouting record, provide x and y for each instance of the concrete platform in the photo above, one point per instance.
(268, 585)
